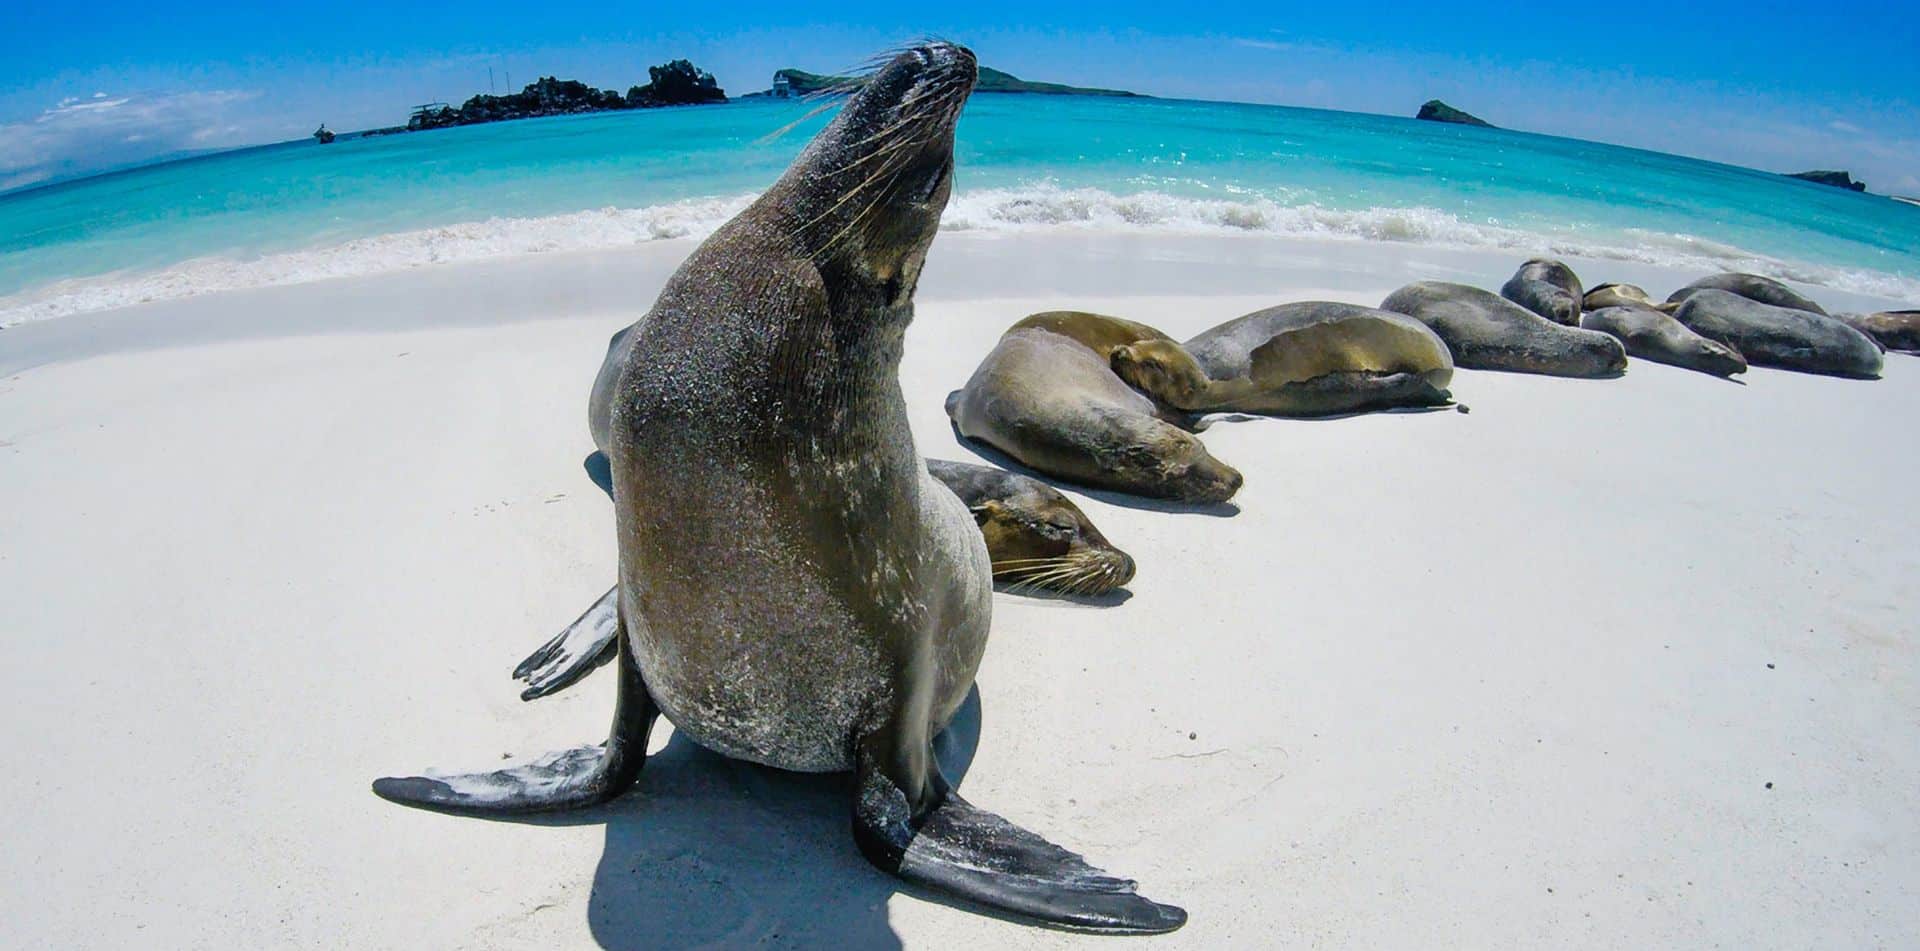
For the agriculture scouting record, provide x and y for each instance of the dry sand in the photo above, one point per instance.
(1621, 664)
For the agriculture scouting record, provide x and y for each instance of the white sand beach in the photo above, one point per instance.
(1600, 664)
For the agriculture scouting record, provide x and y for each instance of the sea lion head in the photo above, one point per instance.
(1045, 541)
(864, 199)
(1162, 369)
(1179, 460)
(1717, 358)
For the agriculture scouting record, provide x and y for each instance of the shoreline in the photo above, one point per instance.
(1602, 663)
(1036, 213)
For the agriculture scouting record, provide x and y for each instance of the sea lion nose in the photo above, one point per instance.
(1123, 568)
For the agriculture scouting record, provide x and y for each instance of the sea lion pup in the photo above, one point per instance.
(1036, 538)
(1653, 335)
(1784, 337)
(1897, 330)
(1753, 287)
(1548, 288)
(795, 589)
(1141, 356)
(1623, 295)
(1487, 332)
(1052, 403)
(1318, 358)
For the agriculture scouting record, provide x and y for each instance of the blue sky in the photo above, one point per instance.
(95, 85)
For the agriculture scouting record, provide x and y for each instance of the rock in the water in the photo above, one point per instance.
(1488, 332)
(1830, 177)
(1783, 337)
(1548, 288)
(1891, 329)
(1753, 287)
(1434, 110)
(1652, 335)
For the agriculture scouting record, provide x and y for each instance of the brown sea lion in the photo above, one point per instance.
(1142, 356)
(1897, 330)
(795, 589)
(1548, 288)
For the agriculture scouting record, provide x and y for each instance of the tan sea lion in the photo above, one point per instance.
(795, 588)
(1623, 295)
(1318, 358)
(1051, 403)
(1142, 356)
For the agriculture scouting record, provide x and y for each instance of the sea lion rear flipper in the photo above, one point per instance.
(967, 852)
(575, 652)
(568, 779)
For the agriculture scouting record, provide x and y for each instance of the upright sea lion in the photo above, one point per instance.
(1548, 288)
(1142, 356)
(1892, 329)
(1050, 402)
(1753, 287)
(1036, 538)
(795, 588)
(1623, 295)
(1653, 335)
(1785, 337)
(1317, 358)
(1487, 332)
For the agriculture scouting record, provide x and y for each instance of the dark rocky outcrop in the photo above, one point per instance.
(1436, 111)
(674, 84)
(1830, 177)
(798, 82)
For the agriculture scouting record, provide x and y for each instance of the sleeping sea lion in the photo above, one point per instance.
(1753, 287)
(1318, 358)
(1548, 288)
(1142, 356)
(795, 589)
(1897, 330)
(1053, 404)
(1653, 335)
(1784, 337)
(1488, 332)
(1623, 295)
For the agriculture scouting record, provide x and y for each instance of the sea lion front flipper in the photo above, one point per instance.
(967, 852)
(568, 779)
(575, 652)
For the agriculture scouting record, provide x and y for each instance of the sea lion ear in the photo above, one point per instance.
(985, 511)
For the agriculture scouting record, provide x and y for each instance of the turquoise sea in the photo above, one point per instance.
(302, 211)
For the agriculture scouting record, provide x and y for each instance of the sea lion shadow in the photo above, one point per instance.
(1450, 407)
(716, 852)
(1169, 506)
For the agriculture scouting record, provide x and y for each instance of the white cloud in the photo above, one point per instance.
(1262, 44)
(1849, 128)
(77, 136)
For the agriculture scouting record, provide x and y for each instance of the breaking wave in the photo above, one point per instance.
(1027, 209)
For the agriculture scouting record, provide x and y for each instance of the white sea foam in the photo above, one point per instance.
(1030, 208)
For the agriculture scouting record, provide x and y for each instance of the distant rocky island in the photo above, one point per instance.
(678, 83)
(792, 83)
(1829, 177)
(1436, 111)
